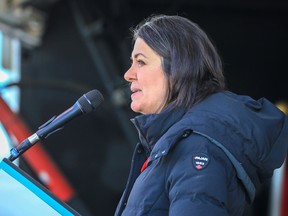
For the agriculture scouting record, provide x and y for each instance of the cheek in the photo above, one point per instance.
(160, 92)
(157, 88)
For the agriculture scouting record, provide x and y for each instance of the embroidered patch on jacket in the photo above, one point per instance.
(200, 161)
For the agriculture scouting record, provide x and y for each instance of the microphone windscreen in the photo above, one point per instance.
(91, 100)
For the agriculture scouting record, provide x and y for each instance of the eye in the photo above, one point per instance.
(140, 62)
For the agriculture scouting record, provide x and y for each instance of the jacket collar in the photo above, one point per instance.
(152, 126)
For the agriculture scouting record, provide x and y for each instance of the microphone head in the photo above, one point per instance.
(90, 101)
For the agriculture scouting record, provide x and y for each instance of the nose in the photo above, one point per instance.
(130, 75)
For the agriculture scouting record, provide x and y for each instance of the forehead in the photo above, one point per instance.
(139, 45)
(142, 48)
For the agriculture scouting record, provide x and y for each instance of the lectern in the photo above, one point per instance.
(20, 194)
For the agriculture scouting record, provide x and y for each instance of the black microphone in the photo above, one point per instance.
(85, 104)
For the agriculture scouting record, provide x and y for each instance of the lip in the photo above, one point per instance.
(134, 89)
(135, 92)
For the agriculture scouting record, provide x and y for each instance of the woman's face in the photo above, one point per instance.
(149, 85)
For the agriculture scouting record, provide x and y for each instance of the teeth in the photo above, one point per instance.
(135, 90)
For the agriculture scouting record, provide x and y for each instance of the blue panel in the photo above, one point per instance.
(27, 196)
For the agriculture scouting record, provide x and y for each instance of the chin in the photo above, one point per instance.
(135, 108)
(138, 109)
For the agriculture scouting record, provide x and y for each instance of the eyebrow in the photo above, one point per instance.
(139, 54)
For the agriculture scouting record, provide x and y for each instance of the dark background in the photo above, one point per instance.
(87, 45)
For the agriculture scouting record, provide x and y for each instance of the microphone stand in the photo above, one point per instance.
(30, 141)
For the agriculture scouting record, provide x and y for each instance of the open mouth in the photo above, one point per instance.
(135, 92)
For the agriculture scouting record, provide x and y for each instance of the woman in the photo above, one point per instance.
(203, 150)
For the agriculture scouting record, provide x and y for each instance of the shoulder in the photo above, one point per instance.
(196, 144)
(196, 153)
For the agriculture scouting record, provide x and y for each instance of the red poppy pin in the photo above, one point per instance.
(200, 161)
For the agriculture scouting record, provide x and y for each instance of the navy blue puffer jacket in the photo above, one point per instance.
(208, 161)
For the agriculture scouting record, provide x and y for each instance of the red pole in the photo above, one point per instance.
(36, 156)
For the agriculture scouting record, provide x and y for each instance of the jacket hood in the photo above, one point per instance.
(255, 132)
